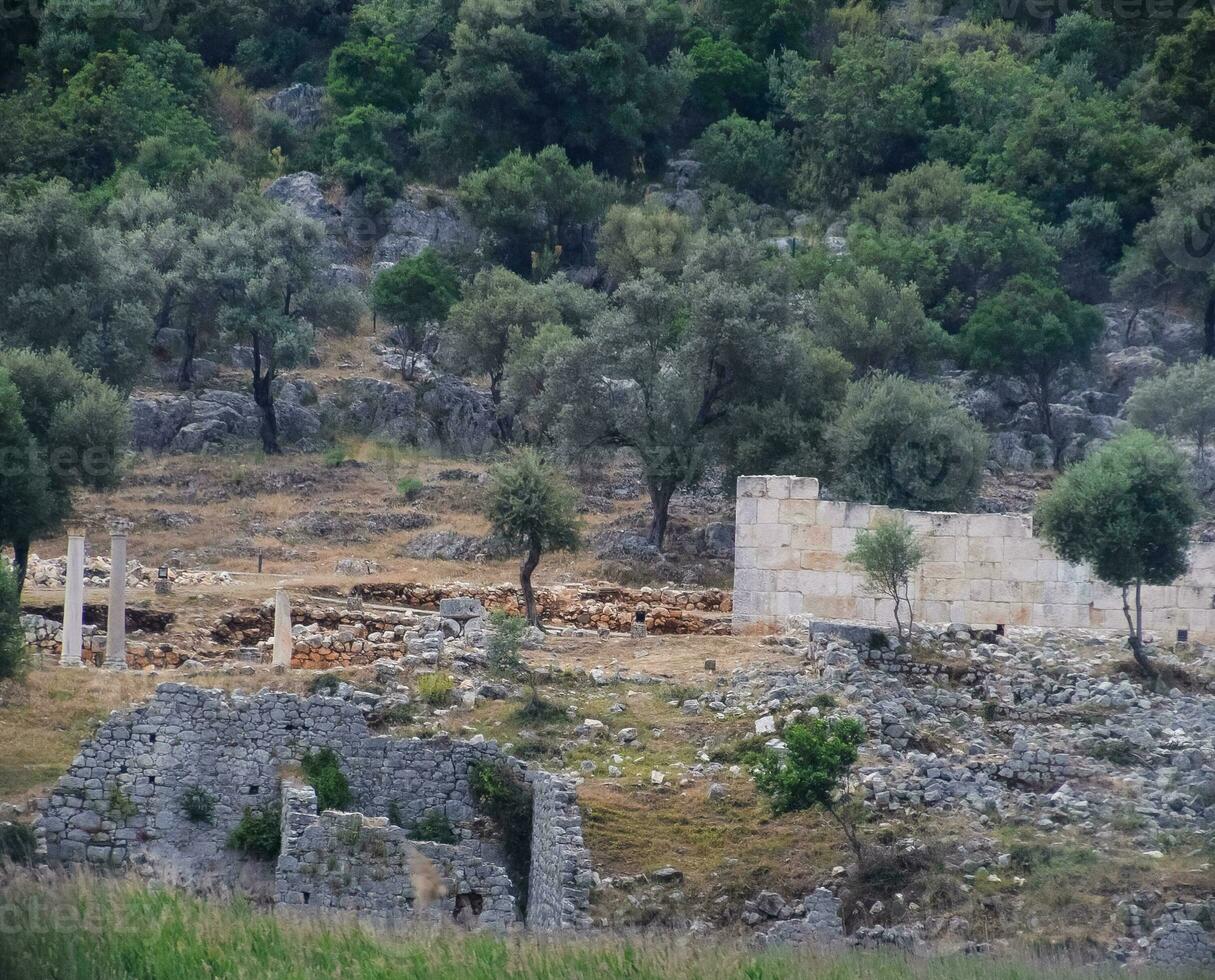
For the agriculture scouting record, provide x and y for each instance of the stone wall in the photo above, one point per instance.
(121, 803)
(789, 559)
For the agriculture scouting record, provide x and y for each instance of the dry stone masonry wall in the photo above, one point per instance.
(123, 803)
(790, 559)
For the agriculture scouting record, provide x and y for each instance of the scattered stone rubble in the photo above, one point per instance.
(51, 573)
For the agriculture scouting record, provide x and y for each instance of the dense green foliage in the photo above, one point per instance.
(323, 770)
(12, 636)
(503, 795)
(1126, 511)
(259, 833)
(813, 769)
(990, 173)
(434, 827)
(904, 444)
(1179, 403)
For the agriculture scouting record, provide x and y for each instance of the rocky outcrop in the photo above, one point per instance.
(446, 413)
(213, 418)
(300, 103)
(303, 193)
(424, 217)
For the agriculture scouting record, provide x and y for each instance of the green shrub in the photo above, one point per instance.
(13, 660)
(823, 701)
(539, 711)
(259, 834)
(335, 456)
(435, 688)
(746, 751)
(505, 641)
(395, 714)
(394, 814)
(324, 684)
(17, 843)
(323, 771)
(122, 806)
(409, 487)
(503, 795)
(198, 804)
(434, 827)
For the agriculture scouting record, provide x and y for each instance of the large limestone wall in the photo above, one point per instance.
(789, 559)
(121, 802)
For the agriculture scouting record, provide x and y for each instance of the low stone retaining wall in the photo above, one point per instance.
(589, 606)
(123, 802)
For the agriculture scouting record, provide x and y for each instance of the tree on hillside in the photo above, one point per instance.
(905, 444)
(530, 504)
(500, 312)
(877, 325)
(633, 239)
(66, 283)
(956, 241)
(12, 634)
(280, 301)
(1032, 332)
(888, 554)
(662, 370)
(813, 771)
(1126, 511)
(1172, 259)
(531, 207)
(414, 292)
(1179, 403)
(78, 433)
(749, 156)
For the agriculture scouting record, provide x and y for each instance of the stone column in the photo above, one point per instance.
(282, 629)
(116, 613)
(73, 602)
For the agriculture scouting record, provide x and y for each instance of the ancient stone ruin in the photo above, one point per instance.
(988, 569)
(160, 789)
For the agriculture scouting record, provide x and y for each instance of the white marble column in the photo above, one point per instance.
(283, 644)
(73, 602)
(116, 613)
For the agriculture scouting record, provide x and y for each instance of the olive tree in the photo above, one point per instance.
(1173, 256)
(1126, 511)
(531, 504)
(905, 444)
(1031, 331)
(76, 434)
(888, 554)
(1179, 403)
(414, 292)
(12, 634)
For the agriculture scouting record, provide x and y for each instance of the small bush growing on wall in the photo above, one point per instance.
(435, 688)
(324, 684)
(324, 773)
(506, 798)
(122, 806)
(17, 843)
(198, 804)
(394, 814)
(434, 827)
(258, 834)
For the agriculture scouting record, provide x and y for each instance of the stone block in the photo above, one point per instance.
(803, 488)
(799, 511)
(461, 608)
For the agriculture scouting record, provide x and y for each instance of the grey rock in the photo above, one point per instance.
(301, 103)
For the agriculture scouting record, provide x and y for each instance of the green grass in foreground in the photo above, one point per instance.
(86, 928)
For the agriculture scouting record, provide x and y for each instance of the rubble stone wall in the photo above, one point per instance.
(122, 803)
(789, 559)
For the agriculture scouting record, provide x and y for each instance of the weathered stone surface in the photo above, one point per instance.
(233, 750)
(301, 103)
(424, 217)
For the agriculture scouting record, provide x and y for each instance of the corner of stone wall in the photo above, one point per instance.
(559, 886)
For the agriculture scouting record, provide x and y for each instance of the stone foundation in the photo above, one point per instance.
(122, 803)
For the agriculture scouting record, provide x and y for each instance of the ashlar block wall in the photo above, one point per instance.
(982, 569)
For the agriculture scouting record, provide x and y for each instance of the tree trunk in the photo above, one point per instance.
(525, 580)
(661, 492)
(185, 375)
(263, 396)
(21, 561)
(504, 420)
(1135, 627)
(850, 833)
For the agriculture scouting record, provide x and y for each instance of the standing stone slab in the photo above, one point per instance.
(283, 644)
(73, 602)
(116, 613)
